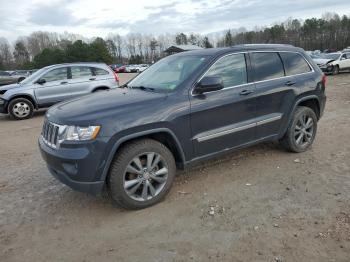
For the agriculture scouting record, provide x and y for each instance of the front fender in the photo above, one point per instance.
(116, 146)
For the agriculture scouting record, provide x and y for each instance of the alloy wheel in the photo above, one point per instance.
(145, 176)
(304, 130)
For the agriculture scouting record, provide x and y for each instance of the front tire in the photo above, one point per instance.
(301, 131)
(335, 70)
(141, 174)
(21, 108)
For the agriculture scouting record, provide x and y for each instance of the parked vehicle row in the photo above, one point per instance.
(184, 109)
(129, 68)
(53, 84)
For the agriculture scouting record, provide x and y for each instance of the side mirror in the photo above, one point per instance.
(41, 81)
(209, 84)
(20, 79)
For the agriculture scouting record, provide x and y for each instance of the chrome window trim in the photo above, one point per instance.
(229, 87)
(254, 82)
(237, 129)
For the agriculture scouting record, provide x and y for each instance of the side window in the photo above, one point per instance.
(232, 69)
(344, 56)
(56, 75)
(267, 66)
(294, 63)
(80, 71)
(100, 72)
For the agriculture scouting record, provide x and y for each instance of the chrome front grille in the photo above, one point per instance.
(50, 134)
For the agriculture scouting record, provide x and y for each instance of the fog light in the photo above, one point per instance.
(2, 101)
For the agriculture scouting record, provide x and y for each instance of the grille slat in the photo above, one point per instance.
(50, 134)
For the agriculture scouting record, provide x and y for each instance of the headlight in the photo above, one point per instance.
(77, 133)
(2, 101)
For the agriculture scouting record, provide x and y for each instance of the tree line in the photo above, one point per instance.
(40, 49)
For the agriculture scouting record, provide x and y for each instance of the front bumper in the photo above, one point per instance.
(76, 167)
(3, 106)
(326, 69)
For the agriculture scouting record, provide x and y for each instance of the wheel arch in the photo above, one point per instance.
(162, 135)
(311, 101)
(25, 96)
(100, 88)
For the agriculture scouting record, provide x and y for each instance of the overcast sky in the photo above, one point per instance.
(100, 17)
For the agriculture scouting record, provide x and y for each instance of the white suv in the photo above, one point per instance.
(334, 62)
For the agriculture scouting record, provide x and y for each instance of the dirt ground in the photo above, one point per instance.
(268, 205)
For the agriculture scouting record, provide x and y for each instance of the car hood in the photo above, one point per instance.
(92, 108)
(8, 87)
(322, 61)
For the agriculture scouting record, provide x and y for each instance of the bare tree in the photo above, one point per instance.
(5, 53)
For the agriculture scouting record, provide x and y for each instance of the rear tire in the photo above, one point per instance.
(21, 108)
(301, 131)
(141, 174)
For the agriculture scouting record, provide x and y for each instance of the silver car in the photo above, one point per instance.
(53, 84)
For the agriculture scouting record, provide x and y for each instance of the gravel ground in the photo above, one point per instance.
(258, 204)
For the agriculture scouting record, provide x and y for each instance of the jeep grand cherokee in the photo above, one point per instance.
(184, 109)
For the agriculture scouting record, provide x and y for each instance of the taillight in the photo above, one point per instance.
(116, 77)
(324, 80)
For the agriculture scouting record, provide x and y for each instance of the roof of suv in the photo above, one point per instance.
(78, 63)
(240, 48)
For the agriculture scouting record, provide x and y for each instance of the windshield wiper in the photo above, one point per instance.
(142, 88)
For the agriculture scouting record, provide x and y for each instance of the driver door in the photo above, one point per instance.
(224, 119)
(55, 89)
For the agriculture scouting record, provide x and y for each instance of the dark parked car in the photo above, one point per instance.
(20, 75)
(6, 78)
(184, 109)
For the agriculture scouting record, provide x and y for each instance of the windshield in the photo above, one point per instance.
(33, 76)
(168, 73)
(330, 56)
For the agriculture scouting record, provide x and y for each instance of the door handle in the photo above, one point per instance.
(246, 92)
(92, 79)
(64, 83)
(290, 83)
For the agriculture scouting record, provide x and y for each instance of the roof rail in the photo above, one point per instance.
(267, 45)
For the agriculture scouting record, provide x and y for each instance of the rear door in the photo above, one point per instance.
(82, 80)
(224, 119)
(271, 91)
(55, 89)
(277, 84)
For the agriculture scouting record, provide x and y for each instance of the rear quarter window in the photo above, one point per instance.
(294, 63)
(100, 71)
(267, 65)
(80, 71)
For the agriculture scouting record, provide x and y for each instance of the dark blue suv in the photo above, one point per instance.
(184, 109)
